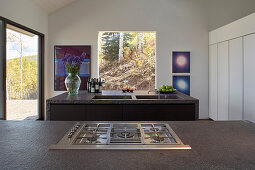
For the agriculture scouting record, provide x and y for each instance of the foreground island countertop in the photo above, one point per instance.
(215, 145)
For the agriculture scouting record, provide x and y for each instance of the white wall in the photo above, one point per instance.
(180, 25)
(26, 13)
(222, 12)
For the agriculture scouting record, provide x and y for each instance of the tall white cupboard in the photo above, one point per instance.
(232, 71)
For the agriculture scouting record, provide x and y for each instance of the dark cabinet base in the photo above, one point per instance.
(103, 112)
(67, 112)
(141, 112)
(176, 112)
(76, 112)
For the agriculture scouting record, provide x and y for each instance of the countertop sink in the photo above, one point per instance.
(158, 97)
(111, 97)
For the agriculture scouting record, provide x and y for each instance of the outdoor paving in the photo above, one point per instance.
(22, 109)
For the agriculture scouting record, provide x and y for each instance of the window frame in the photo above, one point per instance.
(41, 51)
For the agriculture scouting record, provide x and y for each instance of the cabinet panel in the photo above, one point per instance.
(182, 112)
(236, 79)
(213, 82)
(64, 112)
(104, 113)
(141, 112)
(223, 81)
(169, 112)
(249, 77)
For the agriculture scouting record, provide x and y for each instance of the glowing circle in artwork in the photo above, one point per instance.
(181, 61)
(182, 84)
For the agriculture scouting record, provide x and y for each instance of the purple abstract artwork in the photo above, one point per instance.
(182, 84)
(181, 62)
(60, 72)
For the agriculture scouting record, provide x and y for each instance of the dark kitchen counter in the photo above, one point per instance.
(87, 98)
(215, 145)
(57, 106)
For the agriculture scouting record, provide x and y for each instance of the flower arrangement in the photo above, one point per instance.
(73, 63)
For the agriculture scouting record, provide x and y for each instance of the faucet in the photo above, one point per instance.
(150, 91)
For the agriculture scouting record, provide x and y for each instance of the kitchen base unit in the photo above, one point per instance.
(111, 107)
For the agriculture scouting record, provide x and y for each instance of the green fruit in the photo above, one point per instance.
(158, 89)
(163, 87)
(168, 87)
(171, 87)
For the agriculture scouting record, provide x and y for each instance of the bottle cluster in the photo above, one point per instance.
(94, 85)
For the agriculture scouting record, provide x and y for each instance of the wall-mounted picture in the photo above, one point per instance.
(60, 72)
(181, 62)
(182, 84)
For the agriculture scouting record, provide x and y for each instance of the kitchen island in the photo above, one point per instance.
(118, 106)
(215, 145)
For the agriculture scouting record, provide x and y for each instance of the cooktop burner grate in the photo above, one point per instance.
(120, 136)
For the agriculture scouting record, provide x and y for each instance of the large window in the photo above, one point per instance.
(127, 60)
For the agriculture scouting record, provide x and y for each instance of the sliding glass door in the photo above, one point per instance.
(22, 84)
(21, 74)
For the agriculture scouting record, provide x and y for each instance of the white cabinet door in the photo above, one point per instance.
(223, 81)
(249, 78)
(213, 82)
(236, 79)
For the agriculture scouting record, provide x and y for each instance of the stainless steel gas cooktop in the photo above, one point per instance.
(133, 136)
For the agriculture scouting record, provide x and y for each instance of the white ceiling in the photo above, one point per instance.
(50, 6)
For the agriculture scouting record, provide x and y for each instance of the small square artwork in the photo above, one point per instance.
(182, 84)
(181, 62)
(60, 72)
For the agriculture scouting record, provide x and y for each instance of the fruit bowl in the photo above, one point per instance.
(166, 92)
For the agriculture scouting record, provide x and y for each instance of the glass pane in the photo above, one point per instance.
(127, 60)
(21, 74)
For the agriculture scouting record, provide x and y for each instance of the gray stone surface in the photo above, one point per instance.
(86, 98)
(215, 145)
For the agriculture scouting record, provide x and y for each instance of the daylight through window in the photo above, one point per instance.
(127, 60)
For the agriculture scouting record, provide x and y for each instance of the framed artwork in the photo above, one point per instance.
(181, 62)
(182, 84)
(60, 72)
